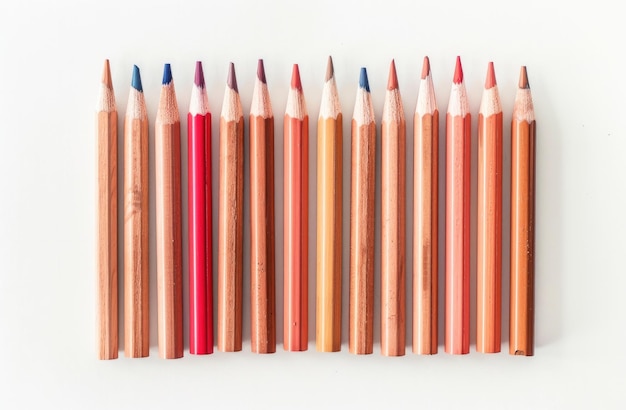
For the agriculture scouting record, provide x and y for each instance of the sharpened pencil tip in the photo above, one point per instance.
(198, 79)
(392, 81)
(363, 82)
(232, 78)
(106, 74)
(490, 82)
(136, 81)
(330, 70)
(295, 78)
(425, 68)
(260, 71)
(523, 78)
(167, 74)
(458, 71)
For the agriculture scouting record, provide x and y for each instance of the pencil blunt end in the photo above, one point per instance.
(296, 83)
(425, 68)
(167, 74)
(136, 80)
(523, 78)
(363, 81)
(330, 70)
(198, 78)
(458, 71)
(232, 78)
(392, 81)
(490, 81)
(260, 71)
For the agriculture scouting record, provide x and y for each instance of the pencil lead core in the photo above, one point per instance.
(295, 78)
(198, 79)
(425, 68)
(232, 79)
(136, 80)
(167, 74)
(523, 78)
(392, 82)
(330, 70)
(260, 71)
(458, 71)
(106, 74)
(490, 82)
(363, 82)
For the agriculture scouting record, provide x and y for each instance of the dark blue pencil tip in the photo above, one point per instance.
(136, 81)
(363, 82)
(167, 74)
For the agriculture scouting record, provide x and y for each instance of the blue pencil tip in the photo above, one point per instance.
(167, 74)
(136, 81)
(363, 82)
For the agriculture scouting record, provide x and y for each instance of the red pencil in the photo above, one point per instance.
(199, 170)
(296, 140)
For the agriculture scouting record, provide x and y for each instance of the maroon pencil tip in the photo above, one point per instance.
(330, 70)
(260, 71)
(490, 81)
(392, 82)
(458, 71)
(295, 78)
(425, 68)
(523, 78)
(199, 76)
(232, 79)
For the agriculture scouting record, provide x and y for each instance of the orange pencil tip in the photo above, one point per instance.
(392, 82)
(490, 82)
(425, 68)
(106, 74)
(458, 72)
(295, 78)
(523, 78)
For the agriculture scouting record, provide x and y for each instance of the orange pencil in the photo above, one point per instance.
(230, 235)
(458, 149)
(393, 229)
(489, 226)
(296, 140)
(523, 143)
(168, 222)
(425, 203)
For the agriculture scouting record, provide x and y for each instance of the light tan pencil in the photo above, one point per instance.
(329, 174)
(136, 222)
(106, 128)
(230, 234)
(393, 221)
(168, 222)
(425, 217)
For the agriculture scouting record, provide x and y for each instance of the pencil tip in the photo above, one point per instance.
(167, 74)
(392, 81)
(458, 71)
(490, 82)
(198, 79)
(425, 68)
(136, 81)
(363, 82)
(260, 71)
(295, 78)
(232, 79)
(330, 70)
(106, 74)
(523, 78)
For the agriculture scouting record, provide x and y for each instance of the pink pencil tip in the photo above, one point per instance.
(295, 78)
(490, 82)
(425, 68)
(458, 71)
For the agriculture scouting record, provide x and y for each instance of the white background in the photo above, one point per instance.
(51, 56)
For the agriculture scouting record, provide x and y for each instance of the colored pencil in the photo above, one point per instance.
(168, 222)
(329, 174)
(106, 128)
(230, 234)
(393, 221)
(296, 140)
(362, 194)
(523, 143)
(425, 217)
(262, 225)
(199, 207)
(489, 226)
(136, 224)
(458, 149)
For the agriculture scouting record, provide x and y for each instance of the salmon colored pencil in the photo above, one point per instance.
(106, 128)
(296, 140)
(523, 143)
(230, 235)
(458, 149)
(136, 224)
(425, 217)
(362, 194)
(262, 226)
(199, 207)
(168, 222)
(329, 143)
(393, 226)
(489, 226)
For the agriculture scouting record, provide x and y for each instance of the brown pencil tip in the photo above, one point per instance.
(232, 79)
(425, 68)
(295, 78)
(330, 70)
(490, 82)
(523, 78)
(458, 71)
(106, 74)
(392, 82)
(260, 71)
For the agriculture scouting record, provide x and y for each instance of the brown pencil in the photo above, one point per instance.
(106, 128)
(393, 221)
(489, 226)
(523, 131)
(329, 174)
(230, 236)
(425, 203)
(136, 222)
(362, 195)
(168, 222)
(262, 225)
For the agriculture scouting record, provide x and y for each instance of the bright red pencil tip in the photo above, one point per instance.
(425, 68)
(295, 78)
(392, 82)
(458, 71)
(490, 82)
